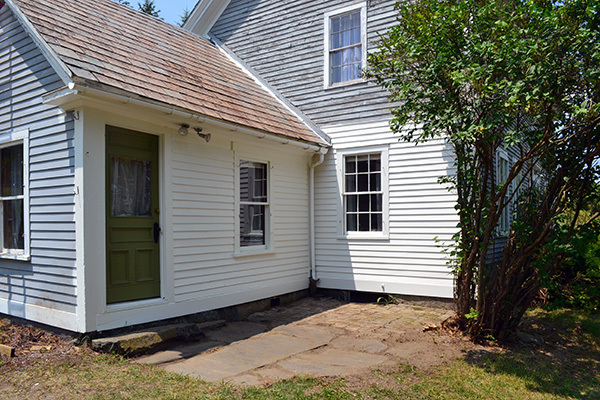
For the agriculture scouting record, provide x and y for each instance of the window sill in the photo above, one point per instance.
(364, 236)
(17, 257)
(345, 83)
(253, 252)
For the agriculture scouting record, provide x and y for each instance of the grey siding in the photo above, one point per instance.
(283, 41)
(48, 279)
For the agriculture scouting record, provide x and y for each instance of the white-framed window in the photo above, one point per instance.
(253, 205)
(363, 180)
(503, 168)
(14, 195)
(345, 45)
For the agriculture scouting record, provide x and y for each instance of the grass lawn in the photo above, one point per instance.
(567, 366)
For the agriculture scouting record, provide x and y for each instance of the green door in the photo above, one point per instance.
(132, 230)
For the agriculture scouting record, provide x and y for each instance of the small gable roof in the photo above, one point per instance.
(111, 47)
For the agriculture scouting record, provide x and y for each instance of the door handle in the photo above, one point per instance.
(156, 232)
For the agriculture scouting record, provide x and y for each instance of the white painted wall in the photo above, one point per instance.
(42, 286)
(409, 261)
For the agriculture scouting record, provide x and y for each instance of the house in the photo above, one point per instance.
(381, 217)
(150, 172)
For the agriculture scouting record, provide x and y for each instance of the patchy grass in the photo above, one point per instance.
(567, 366)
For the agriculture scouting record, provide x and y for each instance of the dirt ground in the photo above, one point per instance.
(423, 345)
(34, 345)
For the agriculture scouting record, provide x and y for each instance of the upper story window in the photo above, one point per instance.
(14, 221)
(345, 45)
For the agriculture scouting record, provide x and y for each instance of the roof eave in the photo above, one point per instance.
(67, 95)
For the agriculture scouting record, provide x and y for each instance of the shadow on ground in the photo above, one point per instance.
(565, 361)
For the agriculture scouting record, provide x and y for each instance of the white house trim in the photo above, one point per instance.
(59, 67)
(204, 15)
(340, 154)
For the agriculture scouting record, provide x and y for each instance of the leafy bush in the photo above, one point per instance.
(577, 284)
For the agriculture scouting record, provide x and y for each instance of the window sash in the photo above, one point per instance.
(345, 41)
(503, 168)
(363, 195)
(12, 199)
(253, 203)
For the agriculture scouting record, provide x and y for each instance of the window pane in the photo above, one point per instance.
(355, 35)
(351, 203)
(363, 203)
(13, 224)
(375, 162)
(335, 41)
(336, 75)
(336, 58)
(363, 182)
(12, 171)
(350, 164)
(363, 163)
(335, 24)
(376, 202)
(356, 72)
(351, 183)
(346, 73)
(130, 187)
(363, 222)
(375, 182)
(346, 56)
(253, 181)
(351, 222)
(376, 222)
(346, 38)
(357, 54)
(346, 22)
(252, 225)
(355, 19)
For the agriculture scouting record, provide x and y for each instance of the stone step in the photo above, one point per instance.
(144, 341)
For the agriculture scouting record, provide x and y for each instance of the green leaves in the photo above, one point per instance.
(519, 75)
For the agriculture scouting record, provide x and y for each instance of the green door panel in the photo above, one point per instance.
(132, 210)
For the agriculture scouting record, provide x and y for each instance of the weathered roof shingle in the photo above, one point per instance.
(112, 46)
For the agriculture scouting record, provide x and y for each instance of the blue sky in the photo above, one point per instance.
(170, 10)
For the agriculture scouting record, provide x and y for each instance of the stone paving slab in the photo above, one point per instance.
(332, 362)
(178, 353)
(244, 356)
(235, 331)
(317, 337)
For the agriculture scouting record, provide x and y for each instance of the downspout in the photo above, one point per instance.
(313, 257)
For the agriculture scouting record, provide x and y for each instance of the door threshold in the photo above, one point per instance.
(131, 305)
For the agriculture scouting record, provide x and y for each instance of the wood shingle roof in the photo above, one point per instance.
(113, 47)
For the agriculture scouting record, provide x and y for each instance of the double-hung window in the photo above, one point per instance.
(345, 45)
(364, 193)
(254, 204)
(505, 214)
(14, 222)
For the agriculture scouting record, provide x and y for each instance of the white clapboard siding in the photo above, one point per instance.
(421, 218)
(283, 42)
(47, 281)
(203, 193)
